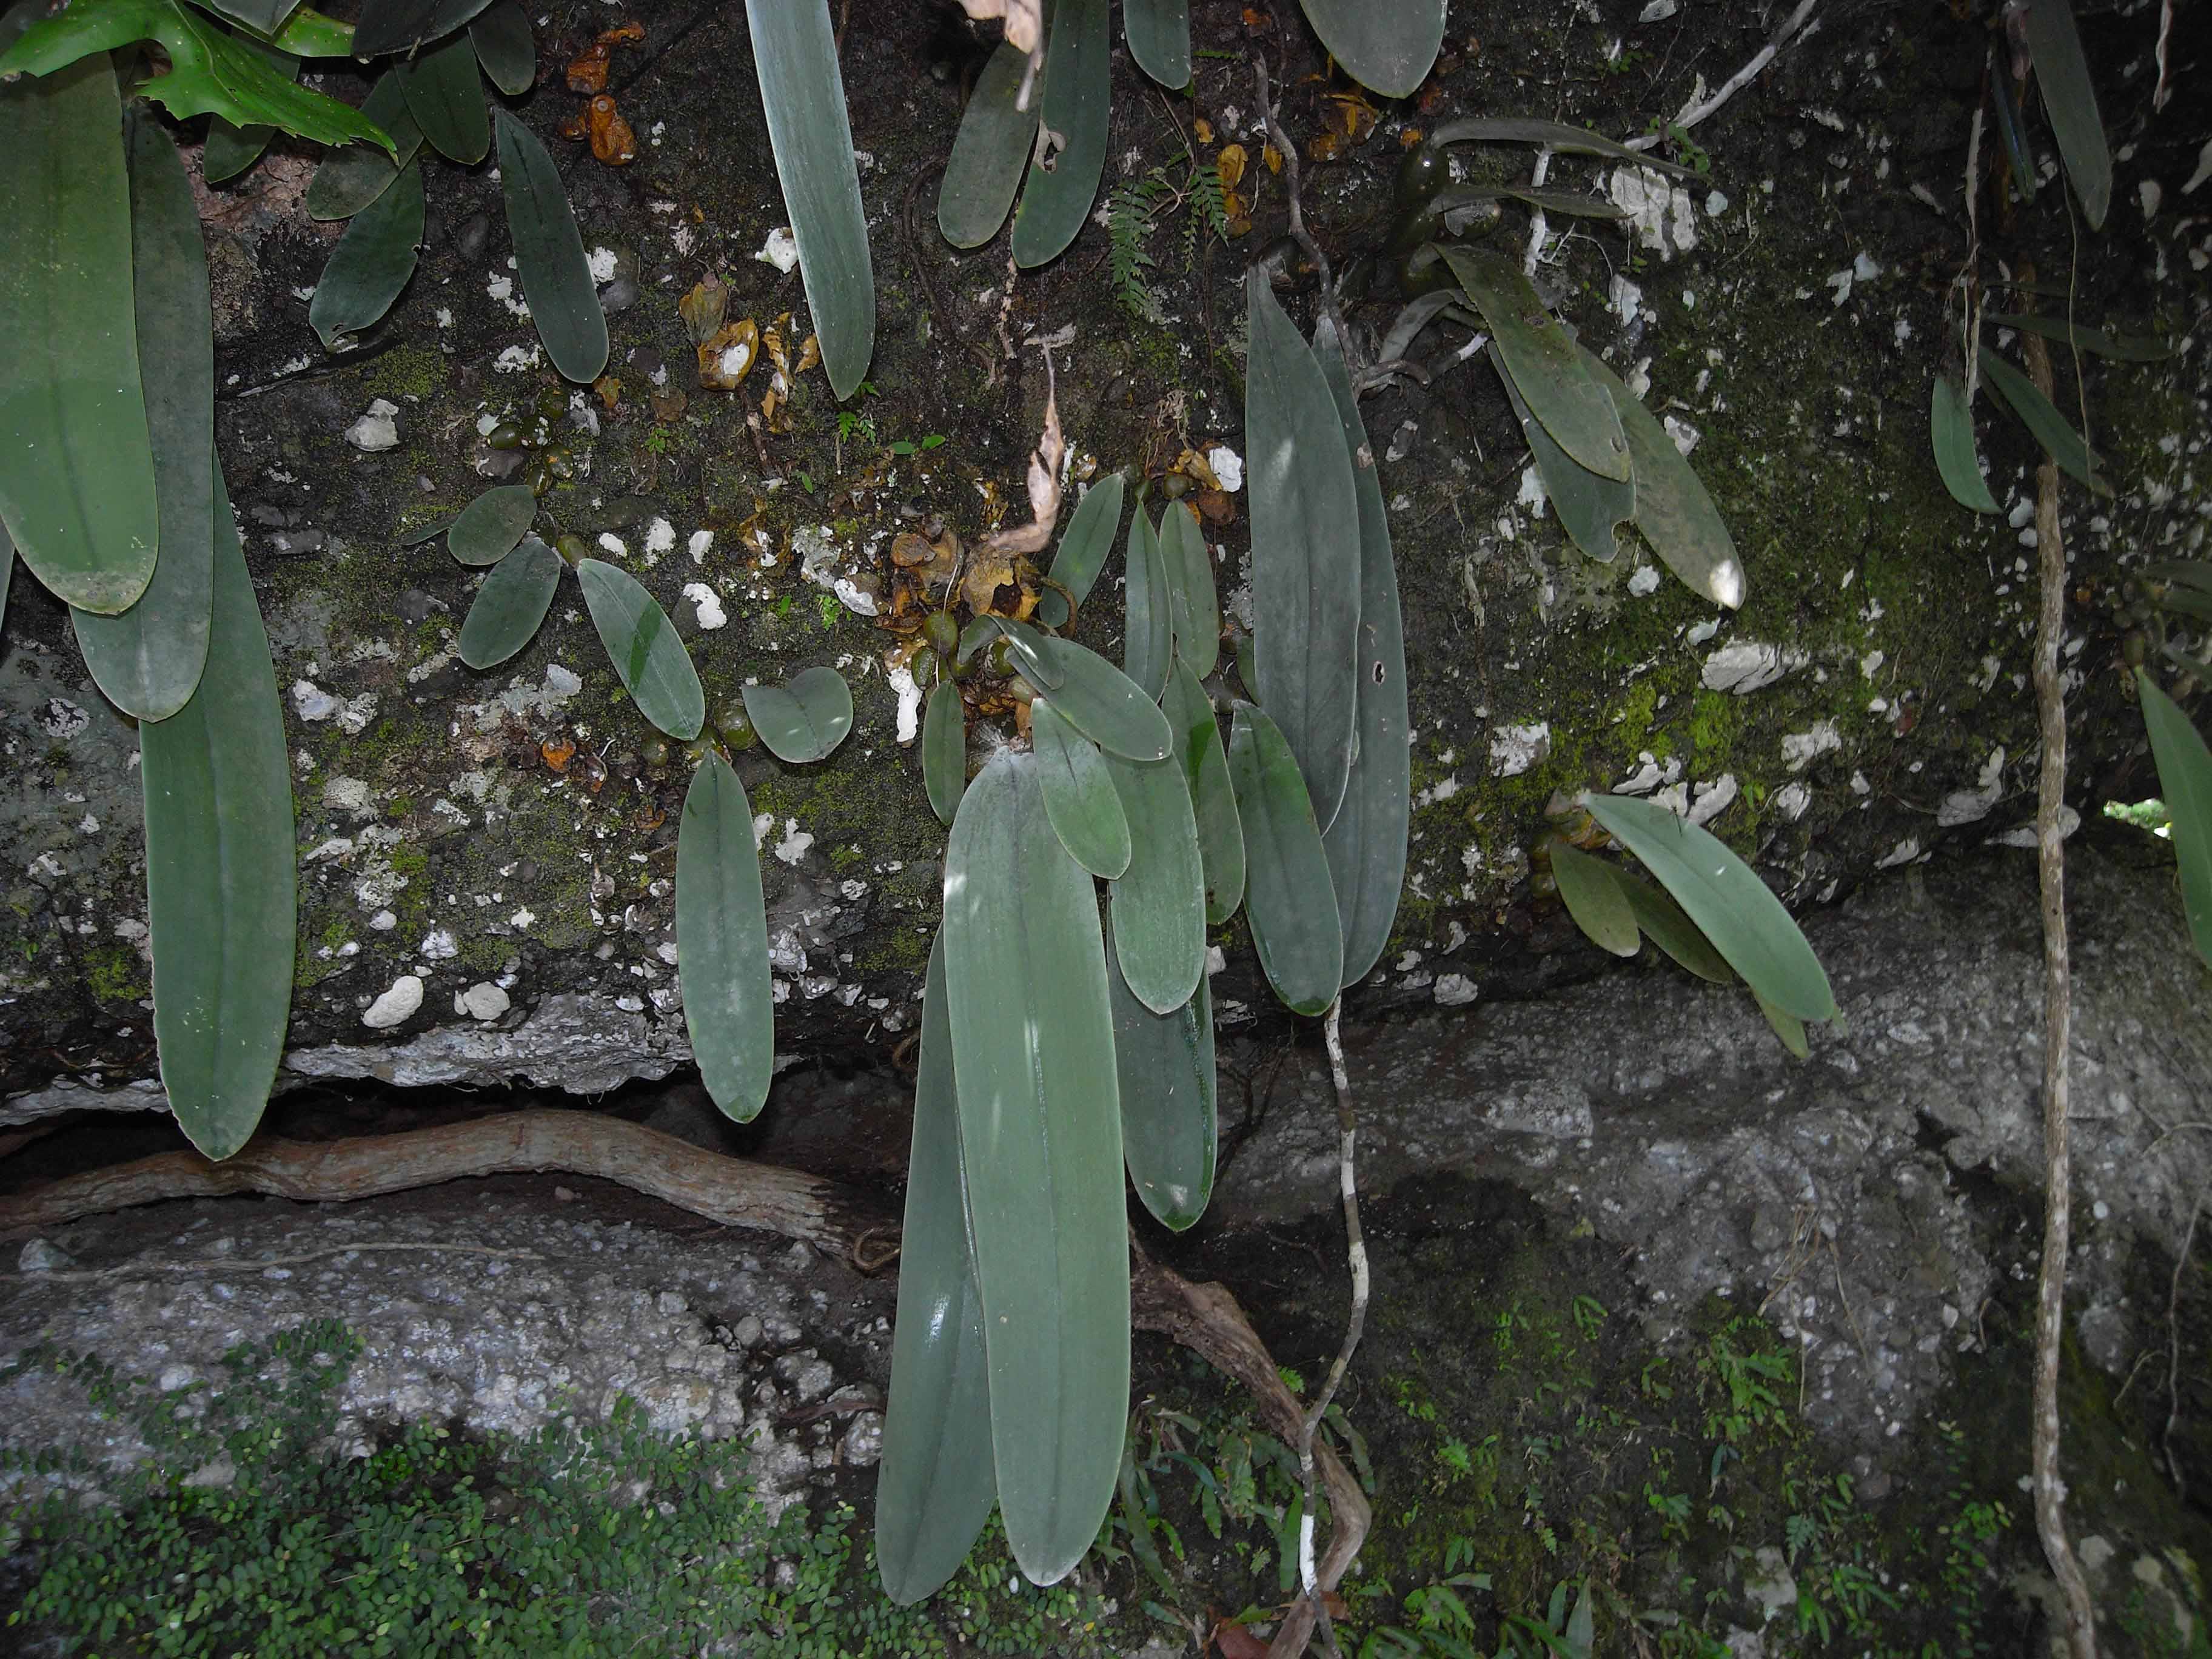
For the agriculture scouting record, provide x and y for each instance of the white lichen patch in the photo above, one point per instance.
(708, 604)
(1515, 749)
(1660, 212)
(1228, 467)
(796, 842)
(1799, 748)
(1746, 665)
(396, 1006)
(780, 250)
(1972, 806)
(700, 541)
(377, 430)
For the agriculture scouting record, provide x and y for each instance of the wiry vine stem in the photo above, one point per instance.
(1297, 227)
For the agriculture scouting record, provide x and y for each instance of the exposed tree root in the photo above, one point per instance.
(840, 1220)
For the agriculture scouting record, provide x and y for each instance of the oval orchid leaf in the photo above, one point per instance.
(1197, 738)
(1387, 49)
(642, 645)
(1193, 605)
(721, 943)
(802, 95)
(935, 1485)
(1158, 33)
(500, 34)
(1546, 366)
(548, 254)
(372, 263)
(1041, 1143)
(1951, 430)
(2069, 97)
(446, 96)
(1666, 926)
(1079, 797)
(1159, 902)
(2184, 778)
(388, 28)
(1305, 551)
(218, 779)
(1148, 637)
(487, 530)
(1083, 550)
(510, 607)
(1102, 702)
(1077, 102)
(1165, 1065)
(1674, 513)
(989, 153)
(1366, 841)
(1731, 906)
(77, 471)
(1596, 901)
(147, 659)
(945, 750)
(1588, 506)
(1300, 942)
(805, 719)
(350, 178)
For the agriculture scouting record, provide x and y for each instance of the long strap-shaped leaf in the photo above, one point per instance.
(1165, 1064)
(1205, 770)
(1951, 434)
(802, 95)
(1305, 550)
(2184, 778)
(1193, 605)
(721, 943)
(1673, 511)
(988, 152)
(1079, 97)
(372, 263)
(1387, 48)
(1083, 550)
(945, 750)
(1079, 797)
(147, 659)
(1366, 841)
(2040, 417)
(1159, 902)
(1158, 33)
(645, 649)
(76, 470)
(1041, 1141)
(1288, 898)
(219, 860)
(935, 1485)
(548, 254)
(1589, 505)
(1147, 608)
(1731, 906)
(1533, 347)
(2071, 97)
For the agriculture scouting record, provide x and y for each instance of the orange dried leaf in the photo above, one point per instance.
(810, 354)
(1231, 164)
(629, 31)
(556, 752)
(613, 143)
(726, 358)
(587, 69)
(1202, 130)
(1272, 156)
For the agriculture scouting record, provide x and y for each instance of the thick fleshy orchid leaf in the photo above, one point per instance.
(2041, 417)
(935, 1484)
(945, 750)
(349, 179)
(1078, 98)
(388, 28)
(1588, 506)
(510, 607)
(488, 528)
(549, 253)
(1288, 896)
(1195, 606)
(373, 262)
(1722, 894)
(1666, 926)
(802, 95)
(2184, 780)
(1305, 551)
(76, 471)
(147, 659)
(1032, 1029)
(1102, 702)
(1547, 368)
(1366, 841)
(1595, 900)
(1148, 629)
(1083, 550)
(500, 34)
(721, 943)
(2121, 348)
(1387, 49)
(446, 96)
(1165, 1064)
(645, 649)
(1159, 902)
(1197, 738)
(1951, 432)
(232, 148)
(1674, 513)
(2069, 97)
(211, 70)
(989, 153)
(1079, 797)
(1158, 33)
(804, 719)
(218, 779)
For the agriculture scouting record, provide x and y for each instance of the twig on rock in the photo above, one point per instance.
(1794, 27)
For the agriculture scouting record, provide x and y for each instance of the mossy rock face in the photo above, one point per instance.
(1791, 311)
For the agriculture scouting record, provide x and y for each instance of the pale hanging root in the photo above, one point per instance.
(840, 1220)
(2058, 1019)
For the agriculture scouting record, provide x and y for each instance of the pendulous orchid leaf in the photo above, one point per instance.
(1674, 513)
(1551, 373)
(1079, 797)
(721, 943)
(1159, 902)
(1193, 605)
(1148, 629)
(1102, 702)
(1197, 738)
(1083, 550)
(373, 262)
(945, 750)
(548, 254)
(1288, 896)
(349, 179)
(643, 646)
(1158, 33)
(1386, 48)
(1077, 102)
(487, 529)
(510, 607)
(1951, 433)
(989, 153)
(1165, 1065)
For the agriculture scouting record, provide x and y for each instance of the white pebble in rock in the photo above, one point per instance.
(396, 1006)
(483, 1000)
(376, 430)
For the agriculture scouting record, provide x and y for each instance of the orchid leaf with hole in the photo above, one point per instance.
(1102, 702)
(1083, 550)
(1288, 896)
(804, 719)
(510, 607)
(1077, 102)
(1148, 635)
(1164, 1063)
(944, 748)
(548, 254)
(1079, 797)
(487, 529)
(1159, 902)
(989, 153)
(1197, 738)
(349, 179)
(1674, 512)
(1386, 48)
(1951, 432)
(643, 646)
(2184, 779)
(372, 264)
(935, 1485)
(721, 943)
(1032, 1021)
